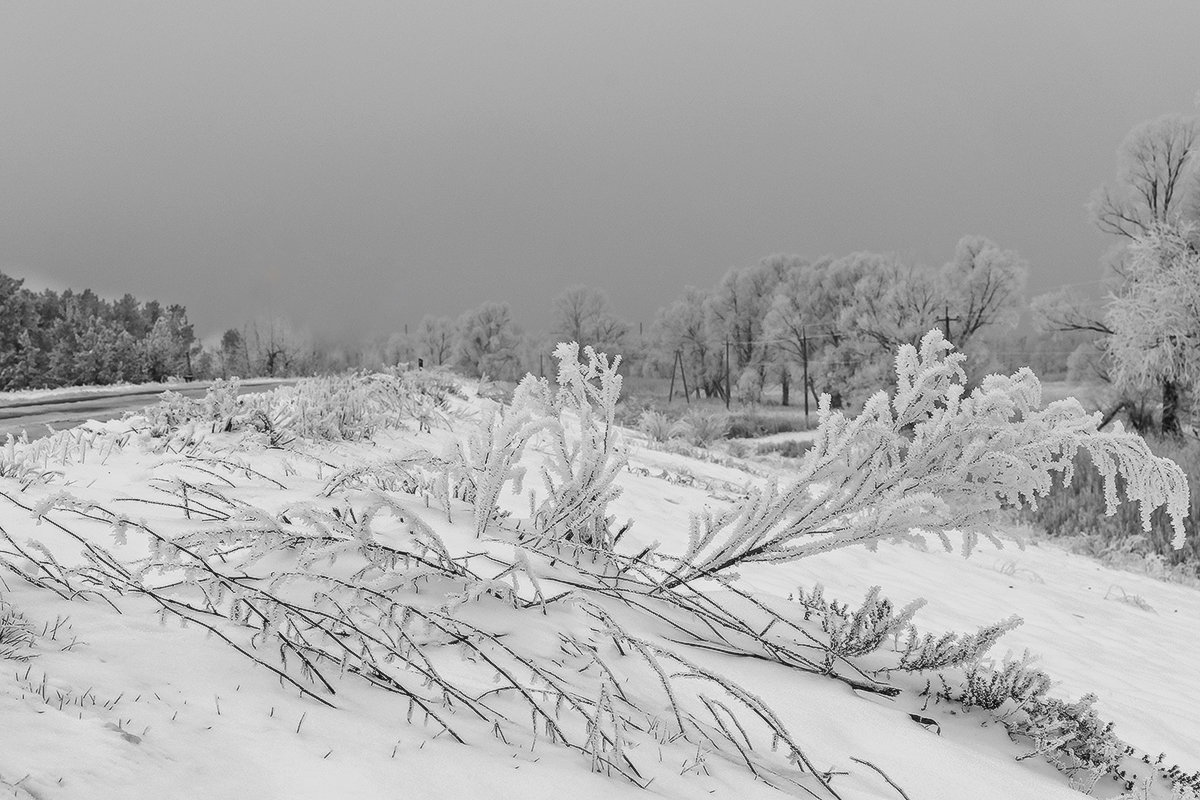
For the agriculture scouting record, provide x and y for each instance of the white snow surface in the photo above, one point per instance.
(119, 705)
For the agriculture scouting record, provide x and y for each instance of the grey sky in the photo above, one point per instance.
(354, 166)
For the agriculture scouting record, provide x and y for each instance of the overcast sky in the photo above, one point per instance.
(356, 165)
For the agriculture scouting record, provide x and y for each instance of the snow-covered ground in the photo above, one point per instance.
(120, 703)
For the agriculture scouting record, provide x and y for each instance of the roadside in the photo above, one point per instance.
(37, 413)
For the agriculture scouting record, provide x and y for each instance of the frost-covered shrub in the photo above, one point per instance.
(657, 426)
(1070, 735)
(171, 412)
(41, 460)
(929, 459)
(858, 632)
(877, 627)
(346, 408)
(1017, 682)
(701, 428)
(790, 448)
(928, 652)
(490, 455)
(16, 634)
(581, 473)
(755, 422)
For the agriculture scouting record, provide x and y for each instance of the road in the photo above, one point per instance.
(33, 416)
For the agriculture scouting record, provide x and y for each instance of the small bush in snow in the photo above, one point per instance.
(657, 426)
(580, 478)
(16, 634)
(786, 449)
(701, 428)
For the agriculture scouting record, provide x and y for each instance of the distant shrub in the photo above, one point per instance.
(657, 426)
(753, 423)
(790, 448)
(702, 428)
(1073, 511)
(345, 408)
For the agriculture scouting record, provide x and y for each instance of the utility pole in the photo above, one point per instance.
(683, 374)
(946, 320)
(804, 348)
(728, 388)
(671, 391)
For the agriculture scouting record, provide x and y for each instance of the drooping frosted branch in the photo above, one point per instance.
(929, 459)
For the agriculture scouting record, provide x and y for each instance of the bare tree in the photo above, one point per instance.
(1156, 178)
(984, 286)
(435, 339)
(276, 348)
(583, 315)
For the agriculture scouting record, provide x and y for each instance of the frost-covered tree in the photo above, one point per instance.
(487, 341)
(234, 357)
(1157, 189)
(983, 286)
(893, 302)
(683, 327)
(168, 344)
(1155, 318)
(738, 307)
(435, 339)
(274, 347)
(583, 315)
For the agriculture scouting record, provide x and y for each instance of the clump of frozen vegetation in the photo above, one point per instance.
(701, 428)
(16, 634)
(347, 408)
(657, 426)
(580, 476)
(547, 628)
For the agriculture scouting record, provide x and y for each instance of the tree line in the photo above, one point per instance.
(50, 339)
(831, 324)
(838, 320)
(788, 323)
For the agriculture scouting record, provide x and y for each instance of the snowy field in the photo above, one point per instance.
(138, 693)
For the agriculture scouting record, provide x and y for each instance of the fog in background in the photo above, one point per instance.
(355, 166)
